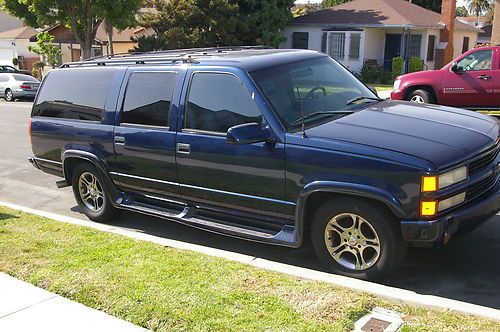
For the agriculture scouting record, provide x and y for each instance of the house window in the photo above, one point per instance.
(337, 45)
(415, 45)
(354, 46)
(300, 40)
(431, 45)
(465, 45)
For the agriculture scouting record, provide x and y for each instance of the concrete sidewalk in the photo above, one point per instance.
(386, 94)
(24, 307)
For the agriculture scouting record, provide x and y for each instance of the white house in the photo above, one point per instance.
(14, 44)
(377, 30)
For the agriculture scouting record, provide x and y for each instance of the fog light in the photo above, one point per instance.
(428, 208)
(451, 202)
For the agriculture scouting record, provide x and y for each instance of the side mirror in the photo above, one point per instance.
(455, 68)
(247, 133)
(373, 89)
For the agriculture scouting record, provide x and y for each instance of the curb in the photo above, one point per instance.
(392, 294)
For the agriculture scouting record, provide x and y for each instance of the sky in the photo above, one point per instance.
(459, 2)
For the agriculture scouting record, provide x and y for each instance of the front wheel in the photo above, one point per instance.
(357, 239)
(421, 97)
(90, 193)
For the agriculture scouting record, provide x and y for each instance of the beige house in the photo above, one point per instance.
(377, 30)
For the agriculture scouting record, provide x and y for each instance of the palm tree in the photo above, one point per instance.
(478, 7)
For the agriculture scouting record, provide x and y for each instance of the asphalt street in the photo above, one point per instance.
(468, 269)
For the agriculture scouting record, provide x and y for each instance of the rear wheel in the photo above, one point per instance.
(9, 96)
(90, 193)
(421, 97)
(357, 239)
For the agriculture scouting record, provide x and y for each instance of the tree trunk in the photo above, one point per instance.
(495, 37)
(86, 47)
(109, 30)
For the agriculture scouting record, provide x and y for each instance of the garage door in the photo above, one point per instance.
(6, 56)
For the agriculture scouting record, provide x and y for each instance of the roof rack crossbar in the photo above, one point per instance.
(137, 60)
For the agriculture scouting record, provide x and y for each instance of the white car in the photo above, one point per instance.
(18, 86)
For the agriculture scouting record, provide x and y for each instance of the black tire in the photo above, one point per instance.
(421, 96)
(104, 210)
(392, 248)
(8, 95)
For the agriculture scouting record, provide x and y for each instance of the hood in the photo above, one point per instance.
(443, 136)
(417, 75)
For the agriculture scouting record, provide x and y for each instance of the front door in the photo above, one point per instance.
(215, 174)
(472, 85)
(392, 49)
(144, 143)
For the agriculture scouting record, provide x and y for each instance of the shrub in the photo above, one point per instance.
(416, 64)
(371, 72)
(397, 66)
(15, 61)
(386, 78)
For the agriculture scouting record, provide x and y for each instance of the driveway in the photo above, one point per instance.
(467, 269)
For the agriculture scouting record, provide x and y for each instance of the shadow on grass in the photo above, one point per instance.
(466, 269)
(6, 216)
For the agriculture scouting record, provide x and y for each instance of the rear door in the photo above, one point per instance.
(144, 140)
(473, 86)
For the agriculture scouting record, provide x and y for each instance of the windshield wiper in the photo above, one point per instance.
(308, 116)
(352, 101)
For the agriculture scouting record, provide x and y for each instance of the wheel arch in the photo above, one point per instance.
(71, 158)
(318, 192)
(425, 87)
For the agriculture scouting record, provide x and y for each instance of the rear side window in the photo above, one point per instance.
(218, 102)
(78, 94)
(148, 98)
(25, 78)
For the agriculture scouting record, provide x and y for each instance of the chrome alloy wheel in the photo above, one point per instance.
(352, 241)
(91, 192)
(417, 99)
(8, 95)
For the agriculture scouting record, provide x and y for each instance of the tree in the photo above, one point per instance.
(206, 23)
(478, 6)
(83, 17)
(434, 5)
(330, 3)
(462, 12)
(45, 47)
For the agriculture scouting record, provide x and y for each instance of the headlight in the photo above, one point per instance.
(397, 83)
(434, 183)
(452, 177)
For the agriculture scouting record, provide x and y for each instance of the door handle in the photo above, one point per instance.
(119, 140)
(484, 77)
(183, 148)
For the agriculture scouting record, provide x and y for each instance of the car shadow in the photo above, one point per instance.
(467, 269)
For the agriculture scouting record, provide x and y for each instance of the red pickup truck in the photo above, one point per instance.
(470, 81)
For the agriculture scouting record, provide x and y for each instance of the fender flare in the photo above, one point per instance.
(346, 188)
(100, 165)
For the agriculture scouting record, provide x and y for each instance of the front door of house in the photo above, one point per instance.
(392, 49)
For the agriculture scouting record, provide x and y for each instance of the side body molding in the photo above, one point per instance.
(346, 188)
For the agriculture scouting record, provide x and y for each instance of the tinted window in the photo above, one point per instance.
(8, 68)
(78, 94)
(218, 102)
(148, 98)
(25, 78)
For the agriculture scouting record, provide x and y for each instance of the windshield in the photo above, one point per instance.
(311, 89)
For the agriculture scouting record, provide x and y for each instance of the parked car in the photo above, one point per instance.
(18, 86)
(470, 81)
(267, 145)
(10, 69)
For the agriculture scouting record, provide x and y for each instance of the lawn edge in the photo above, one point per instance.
(391, 294)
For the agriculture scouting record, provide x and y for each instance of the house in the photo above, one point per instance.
(484, 37)
(70, 47)
(479, 22)
(14, 44)
(380, 30)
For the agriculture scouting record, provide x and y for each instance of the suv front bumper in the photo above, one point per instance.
(440, 231)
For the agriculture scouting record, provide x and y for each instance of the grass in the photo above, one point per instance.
(383, 87)
(166, 289)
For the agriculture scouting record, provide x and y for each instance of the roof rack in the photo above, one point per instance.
(180, 55)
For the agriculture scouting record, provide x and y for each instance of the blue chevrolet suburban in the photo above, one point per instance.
(275, 146)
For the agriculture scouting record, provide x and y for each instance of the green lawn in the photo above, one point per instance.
(166, 289)
(383, 87)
